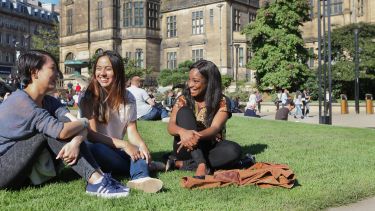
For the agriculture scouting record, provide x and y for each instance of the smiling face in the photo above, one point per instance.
(197, 83)
(46, 77)
(104, 73)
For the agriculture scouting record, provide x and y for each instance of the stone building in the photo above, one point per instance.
(156, 34)
(19, 21)
(343, 12)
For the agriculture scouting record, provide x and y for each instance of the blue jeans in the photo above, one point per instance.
(156, 113)
(118, 162)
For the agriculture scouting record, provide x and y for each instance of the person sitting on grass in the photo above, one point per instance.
(147, 108)
(111, 111)
(30, 124)
(197, 123)
(283, 113)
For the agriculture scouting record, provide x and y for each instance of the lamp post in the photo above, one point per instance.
(356, 82)
(236, 75)
(220, 6)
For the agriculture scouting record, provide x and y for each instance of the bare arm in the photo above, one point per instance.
(150, 101)
(70, 129)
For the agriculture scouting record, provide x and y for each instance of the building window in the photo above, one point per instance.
(69, 70)
(172, 60)
(252, 17)
(8, 39)
(336, 7)
(128, 55)
(138, 13)
(69, 22)
(236, 20)
(171, 26)
(197, 22)
(197, 55)
(7, 57)
(240, 57)
(360, 8)
(211, 17)
(139, 57)
(127, 14)
(153, 13)
(100, 14)
(311, 9)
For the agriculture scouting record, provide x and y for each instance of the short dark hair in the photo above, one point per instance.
(30, 61)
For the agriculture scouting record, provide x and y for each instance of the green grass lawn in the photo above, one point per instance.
(334, 166)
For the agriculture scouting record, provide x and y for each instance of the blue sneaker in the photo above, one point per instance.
(108, 188)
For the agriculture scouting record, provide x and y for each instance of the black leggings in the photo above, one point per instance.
(17, 162)
(218, 155)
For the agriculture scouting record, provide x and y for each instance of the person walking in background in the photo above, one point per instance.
(78, 88)
(306, 102)
(284, 97)
(111, 111)
(278, 99)
(259, 99)
(298, 103)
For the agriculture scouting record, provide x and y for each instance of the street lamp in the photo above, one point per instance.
(220, 6)
(356, 82)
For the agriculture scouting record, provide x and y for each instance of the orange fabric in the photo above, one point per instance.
(265, 175)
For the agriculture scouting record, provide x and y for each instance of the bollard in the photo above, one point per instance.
(369, 105)
(344, 104)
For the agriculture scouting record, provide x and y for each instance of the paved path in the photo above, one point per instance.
(347, 120)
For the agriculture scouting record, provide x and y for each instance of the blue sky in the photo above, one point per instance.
(50, 1)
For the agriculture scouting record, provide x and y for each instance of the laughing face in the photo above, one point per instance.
(47, 76)
(104, 73)
(197, 83)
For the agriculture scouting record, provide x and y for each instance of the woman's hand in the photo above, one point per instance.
(189, 139)
(133, 152)
(70, 152)
(145, 152)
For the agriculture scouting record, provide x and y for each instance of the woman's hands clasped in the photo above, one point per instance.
(189, 139)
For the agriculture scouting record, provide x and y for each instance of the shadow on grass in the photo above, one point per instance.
(254, 149)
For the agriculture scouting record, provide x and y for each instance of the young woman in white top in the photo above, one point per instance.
(111, 111)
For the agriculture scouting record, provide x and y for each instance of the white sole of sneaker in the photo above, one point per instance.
(147, 185)
(108, 196)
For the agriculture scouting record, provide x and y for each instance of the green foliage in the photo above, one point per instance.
(243, 95)
(48, 40)
(226, 80)
(176, 76)
(343, 51)
(276, 40)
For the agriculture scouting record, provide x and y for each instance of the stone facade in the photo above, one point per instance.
(146, 31)
(19, 21)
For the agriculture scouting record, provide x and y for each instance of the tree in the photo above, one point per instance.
(176, 76)
(47, 39)
(343, 54)
(276, 40)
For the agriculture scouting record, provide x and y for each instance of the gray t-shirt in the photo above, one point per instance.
(20, 118)
(141, 98)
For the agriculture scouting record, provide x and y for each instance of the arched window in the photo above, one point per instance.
(69, 70)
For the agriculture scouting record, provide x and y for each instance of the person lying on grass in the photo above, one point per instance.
(197, 123)
(29, 124)
(111, 111)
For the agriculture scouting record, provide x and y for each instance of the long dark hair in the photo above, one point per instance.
(31, 61)
(213, 93)
(97, 99)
